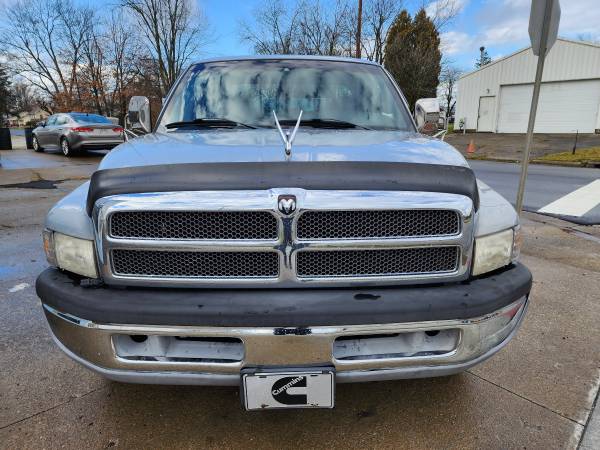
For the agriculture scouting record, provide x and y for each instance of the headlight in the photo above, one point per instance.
(70, 253)
(496, 250)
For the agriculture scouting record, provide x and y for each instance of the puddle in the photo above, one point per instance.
(38, 184)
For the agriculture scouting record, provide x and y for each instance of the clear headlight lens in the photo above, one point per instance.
(70, 253)
(494, 251)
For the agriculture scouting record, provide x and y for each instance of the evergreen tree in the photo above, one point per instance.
(5, 94)
(413, 57)
(484, 58)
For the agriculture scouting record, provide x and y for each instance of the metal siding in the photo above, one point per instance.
(564, 107)
(566, 61)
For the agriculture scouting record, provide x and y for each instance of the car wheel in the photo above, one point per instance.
(66, 147)
(36, 145)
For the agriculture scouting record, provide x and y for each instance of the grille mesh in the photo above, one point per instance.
(377, 224)
(183, 264)
(348, 263)
(193, 225)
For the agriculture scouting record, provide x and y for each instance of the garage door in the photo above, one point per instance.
(564, 107)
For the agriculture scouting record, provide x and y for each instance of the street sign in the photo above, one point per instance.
(539, 9)
(543, 29)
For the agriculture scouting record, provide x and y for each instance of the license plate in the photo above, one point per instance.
(102, 131)
(288, 389)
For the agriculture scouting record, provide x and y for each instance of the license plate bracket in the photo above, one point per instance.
(287, 388)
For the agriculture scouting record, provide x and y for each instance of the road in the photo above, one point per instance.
(545, 185)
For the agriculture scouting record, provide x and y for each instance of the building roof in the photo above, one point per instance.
(496, 61)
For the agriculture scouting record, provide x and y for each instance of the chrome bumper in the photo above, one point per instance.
(96, 346)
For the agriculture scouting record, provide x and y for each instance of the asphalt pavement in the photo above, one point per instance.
(545, 186)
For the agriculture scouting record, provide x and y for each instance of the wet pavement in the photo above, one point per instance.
(536, 393)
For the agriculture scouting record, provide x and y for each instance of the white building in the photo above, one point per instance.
(497, 97)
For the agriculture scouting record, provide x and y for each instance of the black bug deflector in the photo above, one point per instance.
(293, 308)
(315, 175)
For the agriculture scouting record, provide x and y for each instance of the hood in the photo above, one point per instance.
(265, 145)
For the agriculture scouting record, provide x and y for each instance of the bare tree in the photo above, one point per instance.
(308, 27)
(448, 80)
(442, 12)
(175, 29)
(322, 30)
(93, 77)
(23, 98)
(35, 40)
(274, 30)
(379, 15)
(125, 58)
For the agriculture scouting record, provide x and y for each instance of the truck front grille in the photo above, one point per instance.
(379, 263)
(185, 264)
(189, 225)
(350, 224)
(240, 239)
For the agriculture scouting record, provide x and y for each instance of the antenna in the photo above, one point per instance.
(285, 136)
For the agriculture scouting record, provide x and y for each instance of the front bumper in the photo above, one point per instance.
(212, 346)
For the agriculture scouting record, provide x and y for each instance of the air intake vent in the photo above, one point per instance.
(315, 225)
(198, 225)
(176, 264)
(380, 263)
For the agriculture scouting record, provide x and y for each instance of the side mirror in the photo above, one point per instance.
(138, 114)
(41, 124)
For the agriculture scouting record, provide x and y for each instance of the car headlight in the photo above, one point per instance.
(70, 253)
(496, 250)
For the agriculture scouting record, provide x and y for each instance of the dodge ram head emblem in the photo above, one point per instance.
(286, 204)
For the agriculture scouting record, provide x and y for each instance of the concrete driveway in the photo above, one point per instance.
(536, 393)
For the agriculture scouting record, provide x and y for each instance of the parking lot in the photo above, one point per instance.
(536, 393)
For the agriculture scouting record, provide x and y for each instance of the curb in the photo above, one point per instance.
(585, 164)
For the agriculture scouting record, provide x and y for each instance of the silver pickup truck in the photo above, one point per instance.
(284, 227)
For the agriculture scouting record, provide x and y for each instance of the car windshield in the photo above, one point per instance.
(89, 118)
(248, 91)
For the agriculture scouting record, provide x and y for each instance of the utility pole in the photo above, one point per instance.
(359, 29)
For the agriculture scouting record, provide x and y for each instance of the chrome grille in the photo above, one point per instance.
(239, 239)
(313, 225)
(185, 264)
(352, 263)
(199, 225)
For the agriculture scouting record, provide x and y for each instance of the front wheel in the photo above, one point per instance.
(36, 145)
(66, 147)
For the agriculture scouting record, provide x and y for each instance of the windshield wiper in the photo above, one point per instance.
(208, 123)
(324, 123)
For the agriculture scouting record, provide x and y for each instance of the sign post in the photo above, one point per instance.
(543, 30)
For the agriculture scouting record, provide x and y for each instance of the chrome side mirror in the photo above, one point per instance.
(41, 124)
(138, 114)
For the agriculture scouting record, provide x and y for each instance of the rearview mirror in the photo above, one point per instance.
(138, 114)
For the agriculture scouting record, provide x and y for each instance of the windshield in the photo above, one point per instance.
(249, 91)
(90, 118)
